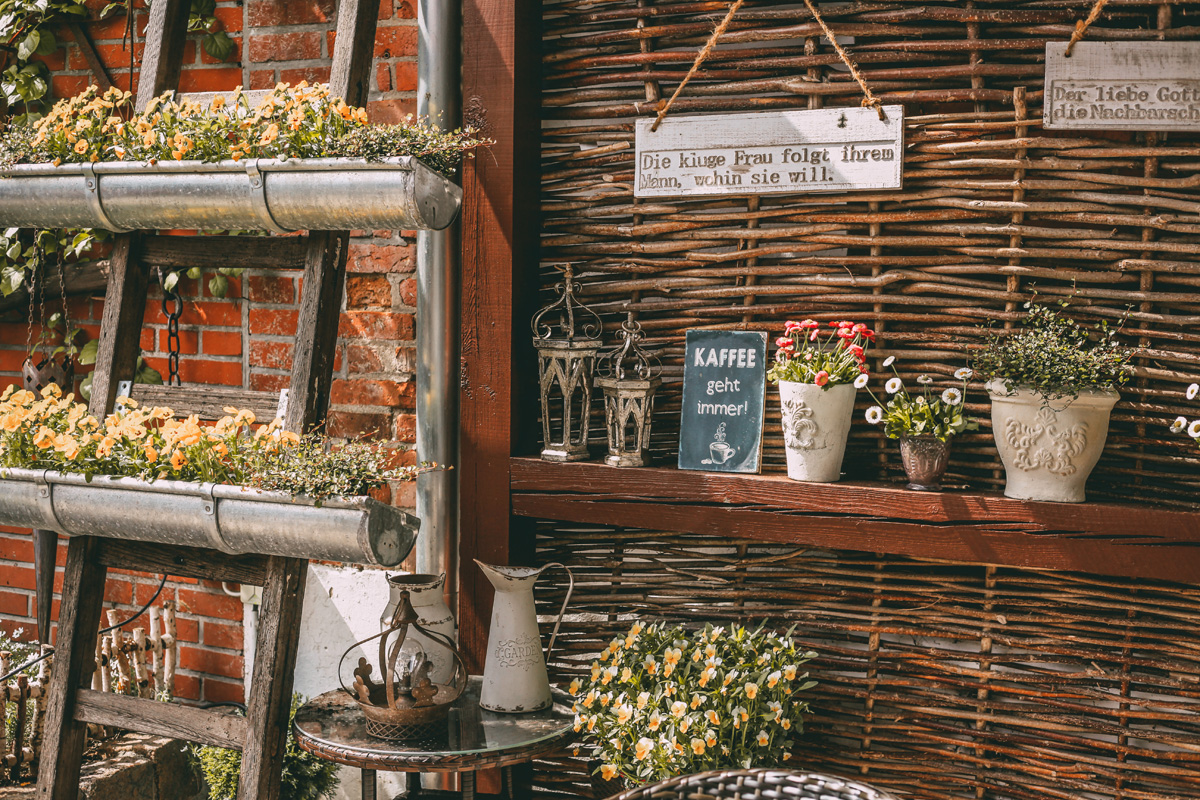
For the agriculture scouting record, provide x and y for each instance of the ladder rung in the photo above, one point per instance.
(214, 252)
(207, 402)
(162, 719)
(183, 562)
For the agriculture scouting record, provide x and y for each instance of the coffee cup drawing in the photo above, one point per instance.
(719, 451)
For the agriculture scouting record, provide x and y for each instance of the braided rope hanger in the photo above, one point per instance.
(700, 58)
(1082, 25)
(869, 99)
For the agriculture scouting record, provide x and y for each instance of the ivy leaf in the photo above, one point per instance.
(170, 281)
(147, 374)
(87, 353)
(28, 46)
(219, 45)
(47, 44)
(219, 285)
(194, 273)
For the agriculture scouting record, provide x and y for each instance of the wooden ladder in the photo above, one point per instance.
(262, 734)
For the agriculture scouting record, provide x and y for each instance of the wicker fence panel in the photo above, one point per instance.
(993, 209)
(937, 680)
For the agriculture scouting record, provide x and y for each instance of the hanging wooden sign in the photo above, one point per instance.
(1124, 86)
(724, 378)
(776, 152)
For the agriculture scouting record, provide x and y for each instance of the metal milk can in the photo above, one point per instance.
(425, 594)
(514, 675)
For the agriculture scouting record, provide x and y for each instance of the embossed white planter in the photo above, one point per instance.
(816, 422)
(1049, 447)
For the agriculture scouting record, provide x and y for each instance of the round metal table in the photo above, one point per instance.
(333, 727)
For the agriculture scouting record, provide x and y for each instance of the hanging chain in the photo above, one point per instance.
(172, 308)
(29, 288)
(66, 316)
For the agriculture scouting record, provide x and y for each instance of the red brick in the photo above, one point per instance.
(212, 662)
(354, 425)
(271, 289)
(221, 313)
(273, 321)
(222, 343)
(406, 428)
(55, 61)
(68, 85)
(406, 76)
(234, 57)
(187, 687)
(218, 634)
(406, 495)
(285, 47)
(269, 383)
(364, 393)
(230, 17)
(218, 691)
(210, 79)
(202, 370)
(396, 41)
(264, 13)
(14, 603)
(362, 358)
(408, 292)
(232, 291)
(210, 604)
(368, 291)
(262, 79)
(383, 77)
(189, 342)
(118, 592)
(272, 355)
(16, 548)
(313, 74)
(19, 576)
(381, 258)
(187, 630)
(392, 111)
(376, 325)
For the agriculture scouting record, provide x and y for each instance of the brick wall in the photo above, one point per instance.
(246, 338)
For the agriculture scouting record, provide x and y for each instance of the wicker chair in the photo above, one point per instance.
(755, 784)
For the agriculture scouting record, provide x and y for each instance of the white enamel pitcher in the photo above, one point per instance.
(514, 675)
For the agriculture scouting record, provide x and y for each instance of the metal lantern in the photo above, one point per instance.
(626, 377)
(567, 350)
(407, 705)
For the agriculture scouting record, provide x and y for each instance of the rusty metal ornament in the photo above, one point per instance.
(627, 376)
(39, 375)
(407, 706)
(566, 334)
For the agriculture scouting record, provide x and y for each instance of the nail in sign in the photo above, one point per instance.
(724, 382)
(770, 152)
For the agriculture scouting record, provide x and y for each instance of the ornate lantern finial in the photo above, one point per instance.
(407, 706)
(567, 348)
(626, 376)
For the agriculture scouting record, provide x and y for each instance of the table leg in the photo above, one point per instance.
(368, 784)
(506, 781)
(412, 785)
(468, 785)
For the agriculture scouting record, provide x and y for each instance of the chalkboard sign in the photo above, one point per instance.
(724, 378)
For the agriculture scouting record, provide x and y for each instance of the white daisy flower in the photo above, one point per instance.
(924, 380)
(894, 385)
(964, 374)
(952, 397)
(1179, 424)
(1192, 391)
(861, 380)
(874, 415)
(887, 362)
(1194, 429)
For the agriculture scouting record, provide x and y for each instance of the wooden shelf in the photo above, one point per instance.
(1101, 538)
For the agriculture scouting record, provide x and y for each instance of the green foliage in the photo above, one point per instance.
(291, 122)
(26, 31)
(927, 414)
(305, 776)
(803, 357)
(312, 468)
(1054, 355)
(23, 250)
(664, 701)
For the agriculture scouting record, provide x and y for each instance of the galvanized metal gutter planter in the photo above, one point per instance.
(262, 194)
(232, 519)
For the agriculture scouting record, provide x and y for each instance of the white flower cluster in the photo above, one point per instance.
(1181, 423)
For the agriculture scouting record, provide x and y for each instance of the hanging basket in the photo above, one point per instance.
(260, 194)
(231, 519)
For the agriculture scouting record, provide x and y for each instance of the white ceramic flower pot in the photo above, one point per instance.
(816, 422)
(1049, 447)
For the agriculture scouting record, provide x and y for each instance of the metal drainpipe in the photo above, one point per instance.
(439, 71)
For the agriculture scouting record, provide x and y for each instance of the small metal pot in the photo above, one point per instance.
(925, 458)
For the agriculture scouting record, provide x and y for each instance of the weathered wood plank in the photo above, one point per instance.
(274, 665)
(353, 50)
(63, 736)
(207, 402)
(166, 34)
(317, 330)
(121, 325)
(214, 252)
(84, 42)
(1099, 538)
(183, 562)
(83, 277)
(163, 719)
